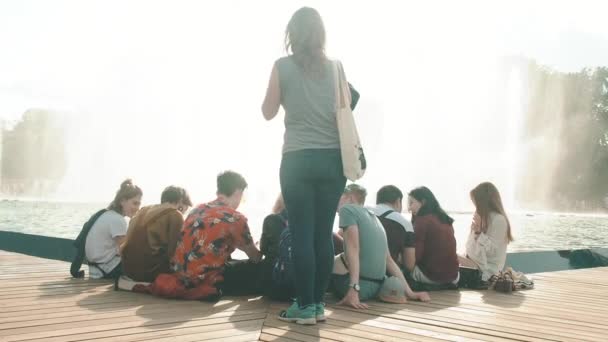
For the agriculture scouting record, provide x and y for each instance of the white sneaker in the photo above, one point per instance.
(125, 283)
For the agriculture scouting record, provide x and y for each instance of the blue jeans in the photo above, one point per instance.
(312, 182)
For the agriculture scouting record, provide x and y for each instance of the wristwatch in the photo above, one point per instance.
(355, 286)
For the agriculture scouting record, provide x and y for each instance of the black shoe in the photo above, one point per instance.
(213, 298)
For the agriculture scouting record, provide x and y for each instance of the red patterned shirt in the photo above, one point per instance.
(210, 234)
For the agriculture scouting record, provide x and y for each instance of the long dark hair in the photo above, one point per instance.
(127, 191)
(430, 205)
(305, 39)
(487, 199)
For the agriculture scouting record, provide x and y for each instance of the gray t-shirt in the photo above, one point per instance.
(372, 240)
(100, 246)
(310, 107)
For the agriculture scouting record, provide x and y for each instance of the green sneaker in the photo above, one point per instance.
(294, 313)
(320, 312)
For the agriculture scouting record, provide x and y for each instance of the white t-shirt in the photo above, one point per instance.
(100, 246)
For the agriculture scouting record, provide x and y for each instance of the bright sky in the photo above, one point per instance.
(168, 92)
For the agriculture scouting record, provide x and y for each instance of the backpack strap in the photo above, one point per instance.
(96, 265)
(388, 212)
(80, 242)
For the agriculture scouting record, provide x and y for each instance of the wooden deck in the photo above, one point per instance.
(40, 302)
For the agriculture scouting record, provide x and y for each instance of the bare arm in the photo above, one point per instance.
(252, 252)
(351, 239)
(408, 257)
(338, 237)
(120, 240)
(393, 269)
(272, 101)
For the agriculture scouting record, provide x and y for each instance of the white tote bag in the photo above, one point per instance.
(353, 159)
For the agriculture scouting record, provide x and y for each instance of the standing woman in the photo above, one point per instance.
(490, 232)
(108, 232)
(312, 179)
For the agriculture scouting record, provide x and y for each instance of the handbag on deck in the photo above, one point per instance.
(510, 280)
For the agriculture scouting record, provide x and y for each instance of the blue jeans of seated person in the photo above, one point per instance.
(312, 182)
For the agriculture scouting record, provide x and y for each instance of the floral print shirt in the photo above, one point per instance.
(211, 232)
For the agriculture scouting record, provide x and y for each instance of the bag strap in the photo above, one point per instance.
(97, 266)
(388, 212)
(80, 242)
(340, 82)
(337, 92)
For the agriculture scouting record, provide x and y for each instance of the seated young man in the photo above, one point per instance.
(153, 235)
(399, 231)
(246, 278)
(360, 271)
(212, 231)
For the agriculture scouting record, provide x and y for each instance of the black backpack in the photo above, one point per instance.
(283, 273)
(80, 242)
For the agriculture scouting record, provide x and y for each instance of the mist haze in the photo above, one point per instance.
(170, 93)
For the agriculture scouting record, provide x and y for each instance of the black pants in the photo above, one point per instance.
(245, 278)
(312, 182)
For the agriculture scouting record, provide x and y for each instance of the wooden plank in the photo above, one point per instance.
(329, 331)
(457, 324)
(502, 321)
(251, 328)
(267, 337)
(515, 304)
(274, 334)
(156, 330)
(39, 301)
(126, 314)
(68, 333)
(223, 335)
(509, 314)
(411, 331)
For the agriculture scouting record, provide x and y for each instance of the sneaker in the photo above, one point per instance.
(126, 284)
(320, 312)
(294, 313)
